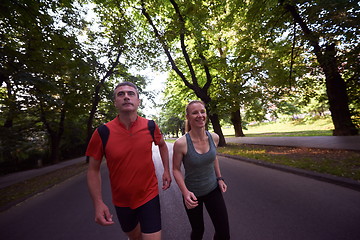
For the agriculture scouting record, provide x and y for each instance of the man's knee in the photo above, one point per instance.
(135, 234)
(152, 236)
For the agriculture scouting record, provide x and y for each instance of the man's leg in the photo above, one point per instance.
(149, 216)
(129, 222)
(152, 236)
(135, 234)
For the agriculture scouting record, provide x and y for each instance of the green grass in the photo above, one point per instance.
(18, 192)
(340, 163)
(316, 127)
(335, 162)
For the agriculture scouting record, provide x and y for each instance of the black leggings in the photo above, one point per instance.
(215, 205)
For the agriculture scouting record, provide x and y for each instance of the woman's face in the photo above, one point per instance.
(196, 115)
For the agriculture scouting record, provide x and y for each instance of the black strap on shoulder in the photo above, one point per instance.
(104, 132)
(151, 127)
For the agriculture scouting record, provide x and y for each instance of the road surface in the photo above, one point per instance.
(262, 203)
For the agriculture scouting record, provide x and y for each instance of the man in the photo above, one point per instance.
(128, 153)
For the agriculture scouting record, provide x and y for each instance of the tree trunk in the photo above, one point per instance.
(95, 103)
(55, 135)
(56, 138)
(96, 98)
(236, 121)
(337, 95)
(214, 118)
(335, 84)
(10, 102)
(54, 148)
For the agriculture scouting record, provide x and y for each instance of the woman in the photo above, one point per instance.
(203, 183)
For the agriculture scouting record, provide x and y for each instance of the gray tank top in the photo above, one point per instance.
(200, 177)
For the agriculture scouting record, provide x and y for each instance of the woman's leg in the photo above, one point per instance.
(216, 208)
(196, 219)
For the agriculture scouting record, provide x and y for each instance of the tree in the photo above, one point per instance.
(45, 73)
(197, 57)
(325, 27)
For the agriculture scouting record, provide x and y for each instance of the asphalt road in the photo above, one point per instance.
(263, 203)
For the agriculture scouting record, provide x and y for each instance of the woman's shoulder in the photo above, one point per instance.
(180, 142)
(215, 137)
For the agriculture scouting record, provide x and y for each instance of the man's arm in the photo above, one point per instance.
(178, 153)
(164, 154)
(102, 213)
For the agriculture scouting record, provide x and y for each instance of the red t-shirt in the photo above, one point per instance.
(129, 160)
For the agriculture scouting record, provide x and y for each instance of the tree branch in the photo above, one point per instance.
(207, 72)
(182, 42)
(309, 35)
(165, 47)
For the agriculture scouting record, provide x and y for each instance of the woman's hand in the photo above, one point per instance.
(222, 185)
(190, 200)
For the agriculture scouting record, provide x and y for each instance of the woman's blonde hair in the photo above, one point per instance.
(187, 124)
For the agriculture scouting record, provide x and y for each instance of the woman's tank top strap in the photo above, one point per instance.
(211, 140)
(190, 145)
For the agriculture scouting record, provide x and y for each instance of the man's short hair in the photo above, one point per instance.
(130, 84)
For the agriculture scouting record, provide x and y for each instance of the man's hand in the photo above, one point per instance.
(103, 215)
(166, 180)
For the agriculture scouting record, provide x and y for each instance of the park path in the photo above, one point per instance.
(263, 203)
(329, 142)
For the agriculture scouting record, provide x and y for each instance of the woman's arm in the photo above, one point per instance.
(221, 183)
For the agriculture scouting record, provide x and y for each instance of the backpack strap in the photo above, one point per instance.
(151, 127)
(104, 132)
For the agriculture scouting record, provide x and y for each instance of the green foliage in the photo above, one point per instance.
(246, 55)
(52, 61)
(44, 79)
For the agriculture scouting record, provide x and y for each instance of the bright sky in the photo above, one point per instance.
(157, 84)
(158, 79)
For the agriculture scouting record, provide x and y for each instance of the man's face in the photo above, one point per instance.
(126, 99)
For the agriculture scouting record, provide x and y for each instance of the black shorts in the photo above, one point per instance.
(148, 215)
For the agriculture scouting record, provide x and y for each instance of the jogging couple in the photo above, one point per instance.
(134, 185)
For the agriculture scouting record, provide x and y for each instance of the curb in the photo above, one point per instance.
(341, 181)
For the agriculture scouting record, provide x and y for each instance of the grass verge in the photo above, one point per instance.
(19, 192)
(340, 163)
(312, 127)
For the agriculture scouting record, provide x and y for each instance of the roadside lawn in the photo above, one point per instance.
(340, 163)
